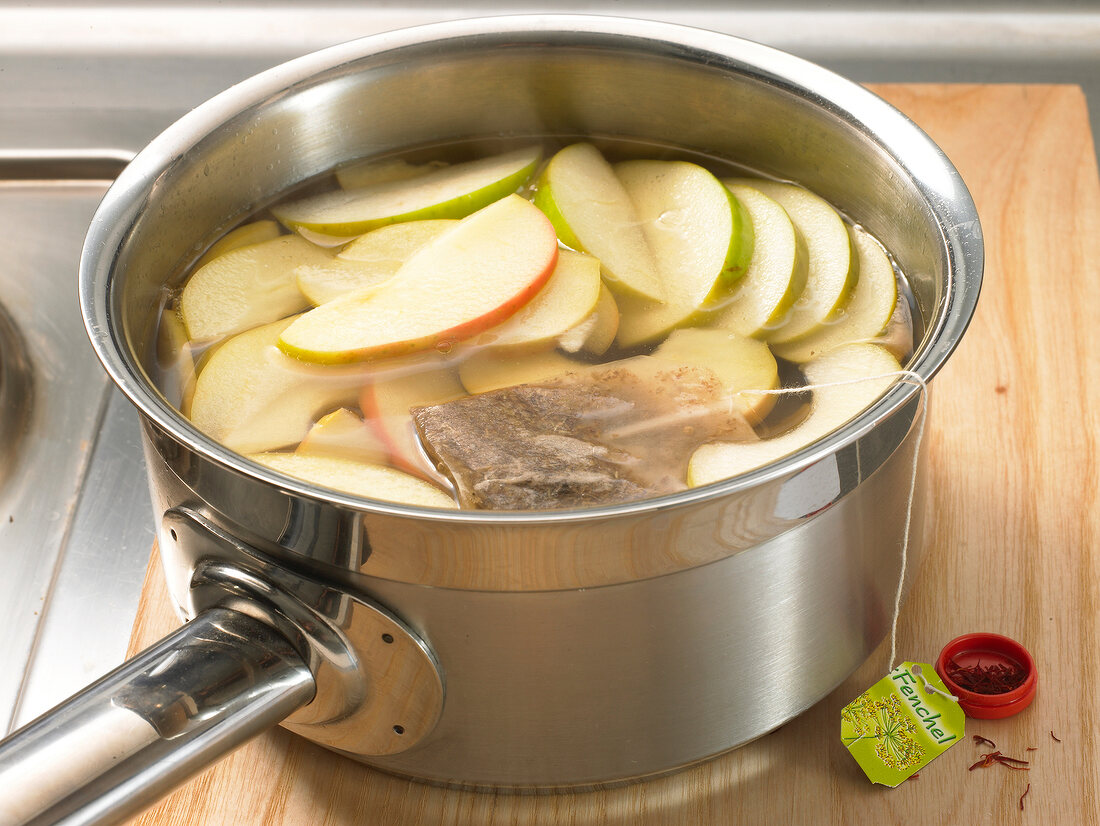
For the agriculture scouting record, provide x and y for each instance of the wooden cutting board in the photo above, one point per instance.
(1013, 546)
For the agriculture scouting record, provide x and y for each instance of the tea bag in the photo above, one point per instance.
(601, 435)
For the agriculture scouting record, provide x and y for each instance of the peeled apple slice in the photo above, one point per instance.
(776, 273)
(832, 264)
(698, 235)
(866, 314)
(243, 236)
(448, 192)
(474, 275)
(381, 171)
(845, 381)
(343, 433)
(367, 261)
(743, 365)
(357, 478)
(592, 212)
(391, 246)
(251, 397)
(247, 287)
(492, 369)
(597, 331)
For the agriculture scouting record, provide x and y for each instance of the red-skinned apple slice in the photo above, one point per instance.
(473, 276)
(567, 299)
(385, 403)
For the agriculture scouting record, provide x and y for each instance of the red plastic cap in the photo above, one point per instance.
(987, 650)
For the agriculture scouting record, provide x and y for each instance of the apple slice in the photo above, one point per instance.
(392, 245)
(357, 478)
(343, 433)
(593, 213)
(449, 192)
(175, 360)
(848, 379)
(245, 235)
(247, 287)
(368, 260)
(898, 335)
(568, 297)
(699, 235)
(832, 263)
(386, 401)
(597, 331)
(474, 275)
(251, 397)
(866, 314)
(493, 369)
(776, 273)
(742, 364)
(382, 171)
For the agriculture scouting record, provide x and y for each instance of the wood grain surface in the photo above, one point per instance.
(1012, 547)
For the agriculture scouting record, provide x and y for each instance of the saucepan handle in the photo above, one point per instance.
(127, 740)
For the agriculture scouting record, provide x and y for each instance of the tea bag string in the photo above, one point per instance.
(913, 378)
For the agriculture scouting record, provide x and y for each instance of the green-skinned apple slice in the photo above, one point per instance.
(357, 478)
(592, 212)
(251, 397)
(700, 238)
(596, 333)
(832, 263)
(449, 192)
(473, 276)
(493, 369)
(776, 273)
(743, 365)
(367, 261)
(245, 235)
(247, 287)
(343, 433)
(848, 379)
(386, 401)
(568, 297)
(866, 314)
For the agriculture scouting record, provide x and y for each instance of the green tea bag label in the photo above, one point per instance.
(901, 723)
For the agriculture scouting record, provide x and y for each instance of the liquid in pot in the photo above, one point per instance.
(554, 325)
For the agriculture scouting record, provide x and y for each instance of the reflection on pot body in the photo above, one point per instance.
(603, 648)
(558, 648)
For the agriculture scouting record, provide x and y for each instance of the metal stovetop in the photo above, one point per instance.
(83, 87)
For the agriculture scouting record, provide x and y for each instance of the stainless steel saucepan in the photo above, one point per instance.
(489, 648)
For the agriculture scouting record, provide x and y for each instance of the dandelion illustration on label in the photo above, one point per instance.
(901, 723)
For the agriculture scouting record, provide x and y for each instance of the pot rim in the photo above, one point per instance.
(929, 168)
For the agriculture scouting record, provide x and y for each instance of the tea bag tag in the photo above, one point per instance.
(901, 723)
